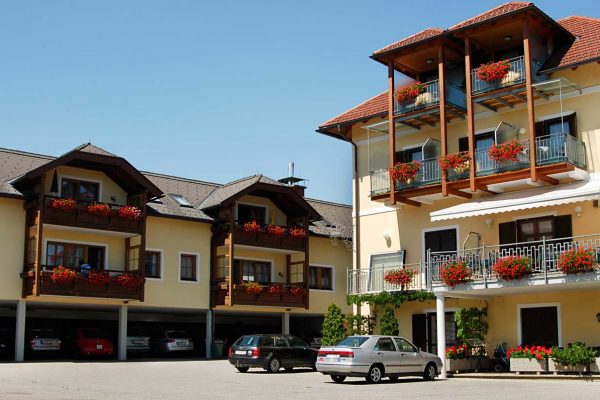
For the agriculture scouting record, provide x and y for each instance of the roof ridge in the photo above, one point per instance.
(328, 122)
(579, 16)
(180, 178)
(328, 202)
(522, 4)
(26, 153)
(436, 29)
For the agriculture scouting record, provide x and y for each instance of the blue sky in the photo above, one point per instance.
(206, 90)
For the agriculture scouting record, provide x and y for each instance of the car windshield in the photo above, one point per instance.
(43, 333)
(177, 335)
(352, 341)
(250, 340)
(91, 333)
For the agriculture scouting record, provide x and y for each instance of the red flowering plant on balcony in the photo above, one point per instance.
(252, 226)
(400, 277)
(455, 272)
(493, 71)
(276, 230)
(98, 278)
(512, 268)
(62, 276)
(129, 280)
(63, 204)
(508, 151)
(129, 212)
(410, 91)
(276, 288)
(457, 352)
(297, 291)
(252, 287)
(405, 172)
(530, 352)
(576, 261)
(459, 162)
(101, 209)
(297, 232)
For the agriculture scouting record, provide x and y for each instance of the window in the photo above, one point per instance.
(296, 342)
(179, 199)
(253, 271)
(451, 338)
(404, 345)
(533, 230)
(80, 190)
(247, 213)
(539, 325)
(74, 255)
(188, 267)
(321, 278)
(385, 344)
(297, 272)
(352, 341)
(557, 126)
(152, 264)
(441, 240)
(408, 155)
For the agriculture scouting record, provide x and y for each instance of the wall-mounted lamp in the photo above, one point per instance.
(489, 222)
(429, 61)
(578, 211)
(508, 37)
(386, 236)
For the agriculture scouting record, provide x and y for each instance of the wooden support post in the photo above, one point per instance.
(142, 250)
(307, 263)
(391, 128)
(443, 122)
(39, 235)
(470, 114)
(231, 253)
(530, 105)
(288, 267)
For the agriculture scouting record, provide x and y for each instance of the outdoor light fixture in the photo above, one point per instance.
(508, 37)
(386, 235)
(489, 222)
(429, 61)
(578, 210)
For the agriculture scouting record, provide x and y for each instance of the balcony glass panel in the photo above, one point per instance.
(515, 76)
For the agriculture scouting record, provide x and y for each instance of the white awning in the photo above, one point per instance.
(522, 200)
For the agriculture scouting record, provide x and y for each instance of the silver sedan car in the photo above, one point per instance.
(374, 357)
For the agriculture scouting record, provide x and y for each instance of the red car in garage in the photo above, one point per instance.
(92, 342)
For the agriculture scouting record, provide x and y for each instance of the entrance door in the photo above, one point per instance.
(539, 326)
(419, 331)
(432, 331)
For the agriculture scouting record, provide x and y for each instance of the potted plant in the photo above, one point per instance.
(297, 232)
(457, 163)
(252, 287)
(493, 71)
(129, 281)
(129, 212)
(400, 277)
(409, 92)
(529, 359)
(512, 268)
(297, 291)
(100, 209)
(62, 276)
(508, 151)
(455, 272)
(405, 172)
(276, 230)
(457, 358)
(98, 278)
(252, 226)
(576, 261)
(276, 288)
(576, 357)
(63, 204)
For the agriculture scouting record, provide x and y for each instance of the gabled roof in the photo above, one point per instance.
(92, 149)
(585, 47)
(377, 105)
(417, 37)
(493, 13)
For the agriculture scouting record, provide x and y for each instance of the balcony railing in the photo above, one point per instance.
(560, 147)
(285, 295)
(515, 76)
(431, 97)
(543, 257)
(484, 165)
(372, 280)
(380, 182)
(265, 239)
(429, 173)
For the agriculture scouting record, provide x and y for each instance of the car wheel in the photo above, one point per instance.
(274, 365)
(375, 374)
(394, 378)
(430, 372)
(338, 378)
(242, 369)
(498, 367)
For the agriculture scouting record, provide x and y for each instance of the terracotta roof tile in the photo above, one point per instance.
(417, 37)
(374, 106)
(493, 13)
(586, 46)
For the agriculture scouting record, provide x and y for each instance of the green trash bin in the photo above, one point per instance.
(217, 349)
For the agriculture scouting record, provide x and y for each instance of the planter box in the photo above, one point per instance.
(595, 366)
(558, 368)
(524, 365)
(459, 365)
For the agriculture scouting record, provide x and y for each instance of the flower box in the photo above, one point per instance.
(519, 365)
(595, 366)
(459, 365)
(556, 368)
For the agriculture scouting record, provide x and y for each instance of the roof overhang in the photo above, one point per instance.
(522, 200)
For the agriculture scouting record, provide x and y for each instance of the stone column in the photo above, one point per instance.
(285, 323)
(122, 344)
(20, 331)
(209, 333)
(441, 331)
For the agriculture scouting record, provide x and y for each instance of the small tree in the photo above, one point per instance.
(333, 326)
(471, 323)
(389, 323)
(358, 324)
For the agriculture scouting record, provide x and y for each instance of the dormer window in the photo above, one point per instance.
(80, 190)
(181, 200)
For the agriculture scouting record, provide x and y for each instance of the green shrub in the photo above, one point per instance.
(359, 324)
(333, 326)
(575, 354)
(389, 323)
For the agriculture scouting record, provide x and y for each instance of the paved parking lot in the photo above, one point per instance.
(218, 380)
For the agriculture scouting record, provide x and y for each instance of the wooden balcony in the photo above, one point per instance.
(81, 287)
(292, 296)
(269, 240)
(80, 217)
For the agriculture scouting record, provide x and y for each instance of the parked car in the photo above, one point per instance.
(92, 342)
(172, 341)
(5, 343)
(137, 341)
(374, 357)
(44, 340)
(271, 352)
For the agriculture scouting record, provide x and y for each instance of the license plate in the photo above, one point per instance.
(47, 342)
(99, 347)
(333, 356)
(138, 342)
(240, 352)
(181, 343)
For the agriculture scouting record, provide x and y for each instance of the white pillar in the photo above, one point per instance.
(285, 323)
(20, 331)
(209, 333)
(441, 332)
(122, 345)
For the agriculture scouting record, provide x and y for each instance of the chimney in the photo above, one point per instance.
(292, 181)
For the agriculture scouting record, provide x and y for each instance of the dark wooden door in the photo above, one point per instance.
(539, 326)
(442, 240)
(419, 331)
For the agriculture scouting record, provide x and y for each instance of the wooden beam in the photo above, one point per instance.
(231, 253)
(485, 189)
(407, 70)
(455, 113)
(288, 267)
(481, 103)
(39, 234)
(530, 105)
(470, 114)
(458, 193)
(307, 263)
(547, 179)
(425, 121)
(506, 103)
(443, 122)
(409, 202)
(410, 125)
(391, 128)
(519, 97)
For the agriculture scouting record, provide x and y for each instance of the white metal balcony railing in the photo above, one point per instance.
(515, 76)
(484, 165)
(454, 96)
(372, 280)
(560, 147)
(543, 256)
